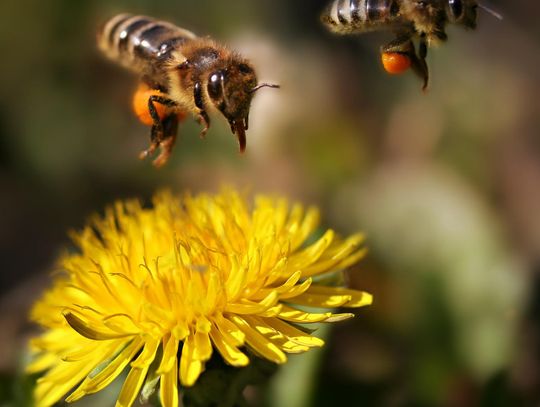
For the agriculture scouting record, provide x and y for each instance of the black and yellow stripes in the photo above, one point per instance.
(132, 40)
(346, 16)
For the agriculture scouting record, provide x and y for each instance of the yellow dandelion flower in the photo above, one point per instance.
(158, 290)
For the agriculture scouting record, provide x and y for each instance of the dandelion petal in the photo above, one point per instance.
(132, 387)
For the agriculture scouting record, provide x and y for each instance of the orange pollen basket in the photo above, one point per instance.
(140, 105)
(395, 63)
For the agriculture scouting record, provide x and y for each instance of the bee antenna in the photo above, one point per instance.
(490, 11)
(264, 85)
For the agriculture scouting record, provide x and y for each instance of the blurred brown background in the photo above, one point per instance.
(445, 184)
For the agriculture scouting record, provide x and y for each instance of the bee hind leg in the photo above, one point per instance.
(158, 134)
(405, 46)
(170, 127)
(420, 66)
(154, 143)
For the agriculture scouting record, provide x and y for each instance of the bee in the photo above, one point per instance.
(180, 74)
(422, 20)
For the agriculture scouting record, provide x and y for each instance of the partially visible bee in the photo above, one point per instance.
(180, 74)
(424, 20)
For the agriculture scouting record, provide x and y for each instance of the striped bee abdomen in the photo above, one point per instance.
(353, 16)
(136, 41)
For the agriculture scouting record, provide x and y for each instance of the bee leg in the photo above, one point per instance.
(204, 119)
(170, 128)
(154, 143)
(157, 132)
(404, 45)
(420, 67)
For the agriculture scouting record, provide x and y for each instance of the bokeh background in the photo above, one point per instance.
(445, 184)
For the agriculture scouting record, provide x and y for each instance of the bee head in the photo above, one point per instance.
(462, 12)
(230, 89)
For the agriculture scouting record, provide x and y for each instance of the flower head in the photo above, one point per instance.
(159, 290)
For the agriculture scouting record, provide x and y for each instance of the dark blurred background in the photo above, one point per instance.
(446, 184)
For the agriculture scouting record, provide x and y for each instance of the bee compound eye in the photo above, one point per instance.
(215, 85)
(456, 8)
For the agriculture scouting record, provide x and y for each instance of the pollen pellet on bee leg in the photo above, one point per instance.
(395, 63)
(140, 105)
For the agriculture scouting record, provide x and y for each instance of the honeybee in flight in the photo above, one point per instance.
(180, 74)
(424, 20)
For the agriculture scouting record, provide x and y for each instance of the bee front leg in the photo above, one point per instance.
(204, 120)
